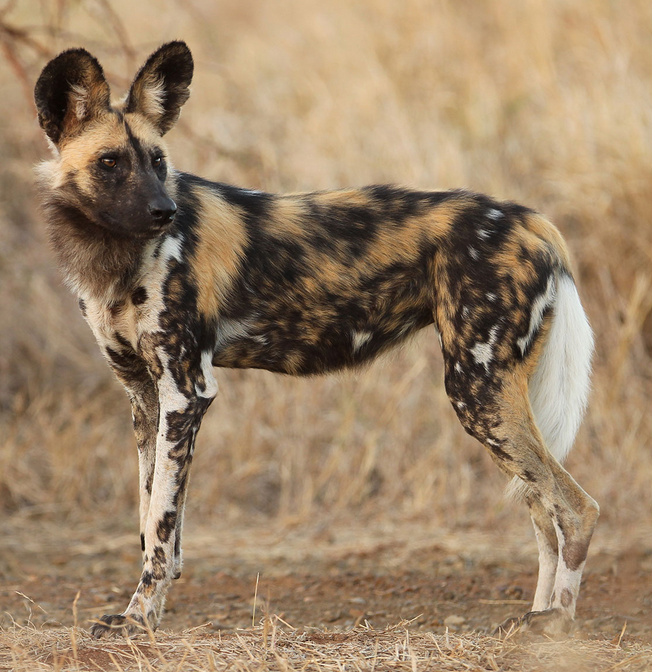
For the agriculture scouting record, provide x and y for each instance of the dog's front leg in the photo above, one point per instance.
(184, 395)
(145, 414)
(133, 372)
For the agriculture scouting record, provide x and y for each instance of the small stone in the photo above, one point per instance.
(454, 621)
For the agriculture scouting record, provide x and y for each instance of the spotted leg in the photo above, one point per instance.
(132, 371)
(145, 410)
(496, 410)
(184, 394)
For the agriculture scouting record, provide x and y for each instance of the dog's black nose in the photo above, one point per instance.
(163, 212)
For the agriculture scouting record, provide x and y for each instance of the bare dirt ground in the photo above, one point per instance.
(327, 582)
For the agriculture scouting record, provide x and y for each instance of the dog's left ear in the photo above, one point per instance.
(70, 92)
(161, 86)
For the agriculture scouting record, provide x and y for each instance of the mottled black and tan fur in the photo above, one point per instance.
(176, 275)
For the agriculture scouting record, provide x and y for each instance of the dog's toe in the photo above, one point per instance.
(553, 623)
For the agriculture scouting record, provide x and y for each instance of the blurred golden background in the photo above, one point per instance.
(545, 102)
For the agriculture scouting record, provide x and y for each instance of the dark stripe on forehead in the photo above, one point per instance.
(136, 144)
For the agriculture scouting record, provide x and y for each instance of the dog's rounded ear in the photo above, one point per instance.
(161, 87)
(71, 90)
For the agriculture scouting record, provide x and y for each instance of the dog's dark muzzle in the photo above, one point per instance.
(162, 211)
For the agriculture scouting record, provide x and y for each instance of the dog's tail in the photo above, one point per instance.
(559, 387)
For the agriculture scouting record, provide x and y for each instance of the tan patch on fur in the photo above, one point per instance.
(439, 220)
(144, 130)
(220, 249)
(103, 134)
(287, 215)
(547, 231)
(344, 197)
(403, 246)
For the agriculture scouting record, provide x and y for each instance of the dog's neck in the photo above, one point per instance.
(96, 263)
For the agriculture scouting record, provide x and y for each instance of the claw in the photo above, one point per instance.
(553, 623)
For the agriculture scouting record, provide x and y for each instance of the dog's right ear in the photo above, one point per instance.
(161, 86)
(71, 90)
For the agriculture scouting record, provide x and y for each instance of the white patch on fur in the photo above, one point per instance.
(152, 98)
(483, 234)
(407, 327)
(490, 296)
(547, 571)
(539, 306)
(360, 338)
(172, 248)
(495, 214)
(461, 404)
(210, 389)
(154, 271)
(473, 253)
(465, 311)
(458, 367)
(79, 96)
(483, 353)
(230, 330)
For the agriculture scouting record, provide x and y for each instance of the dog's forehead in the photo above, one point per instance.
(143, 130)
(113, 131)
(103, 133)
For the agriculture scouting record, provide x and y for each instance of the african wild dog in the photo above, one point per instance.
(176, 275)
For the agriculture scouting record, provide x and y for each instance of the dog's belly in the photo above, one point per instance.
(298, 344)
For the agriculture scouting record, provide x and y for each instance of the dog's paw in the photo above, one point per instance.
(552, 623)
(118, 624)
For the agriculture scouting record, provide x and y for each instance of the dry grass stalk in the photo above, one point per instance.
(363, 648)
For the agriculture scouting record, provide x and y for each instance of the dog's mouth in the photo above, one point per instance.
(149, 229)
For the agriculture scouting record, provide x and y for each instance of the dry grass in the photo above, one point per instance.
(276, 646)
(547, 103)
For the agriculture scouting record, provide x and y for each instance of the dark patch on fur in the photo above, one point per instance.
(574, 553)
(566, 598)
(166, 525)
(139, 296)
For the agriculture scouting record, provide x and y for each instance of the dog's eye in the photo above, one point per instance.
(108, 161)
(157, 161)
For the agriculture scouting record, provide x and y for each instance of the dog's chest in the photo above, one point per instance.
(112, 323)
(136, 312)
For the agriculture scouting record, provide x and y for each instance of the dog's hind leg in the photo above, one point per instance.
(546, 535)
(493, 405)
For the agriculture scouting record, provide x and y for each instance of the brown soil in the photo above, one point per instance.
(316, 579)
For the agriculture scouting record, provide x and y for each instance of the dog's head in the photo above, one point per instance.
(111, 163)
